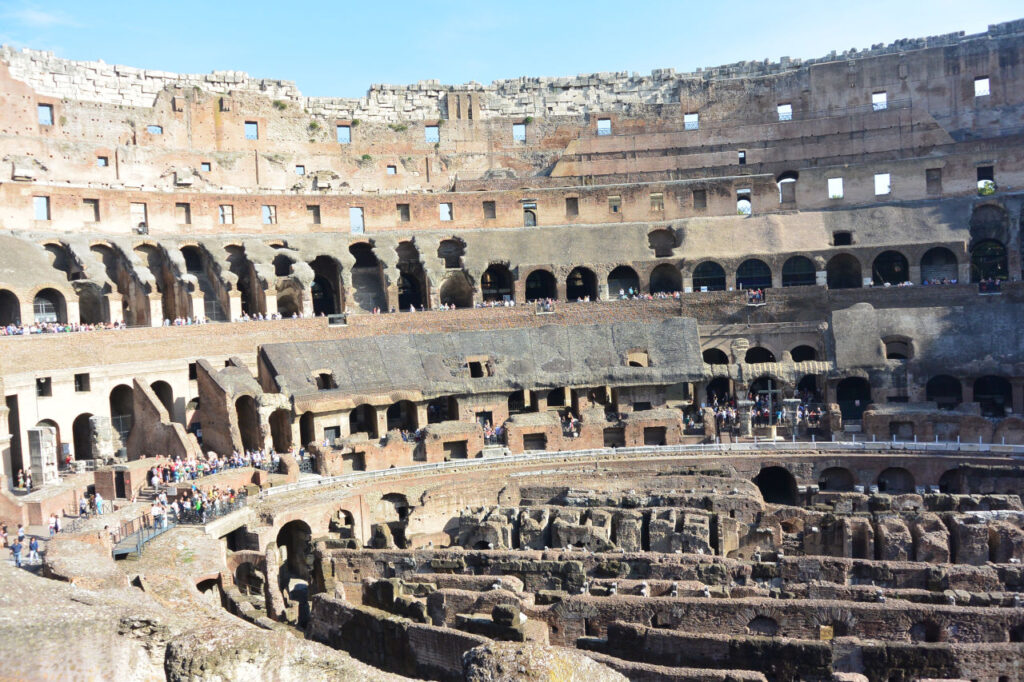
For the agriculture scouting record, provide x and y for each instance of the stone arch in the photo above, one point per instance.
(294, 541)
(326, 290)
(949, 483)
(989, 260)
(442, 409)
(581, 283)
(451, 252)
(248, 422)
(890, 267)
(10, 308)
(944, 390)
(496, 283)
(122, 411)
(193, 258)
(758, 355)
(662, 242)
(898, 347)
(363, 419)
(49, 305)
(844, 272)
(540, 284)
(666, 279)
(804, 353)
(709, 275)
(777, 485)
(939, 263)
(246, 280)
(989, 221)
(753, 273)
(715, 356)
(837, 479)
(368, 290)
(994, 395)
(799, 271)
(853, 395)
(623, 278)
(392, 507)
(809, 386)
(719, 386)
(82, 436)
(895, 481)
(289, 299)
(457, 290)
(402, 415)
(281, 429)
(165, 394)
(412, 278)
(763, 626)
(786, 182)
(307, 429)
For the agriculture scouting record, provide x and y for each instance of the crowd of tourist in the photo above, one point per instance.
(57, 328)
(990, 285)
(24, 480)
(181, 470)
(755, 296)
(260, 317)
(570, 425)
(17, 545)
(632, 294)
(938, 282)
(185, 321)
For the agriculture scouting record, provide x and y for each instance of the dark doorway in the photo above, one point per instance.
(777, 485)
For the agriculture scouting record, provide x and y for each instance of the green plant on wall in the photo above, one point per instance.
(313, 126)
(280, 105)
(398, 127)
(366, 157)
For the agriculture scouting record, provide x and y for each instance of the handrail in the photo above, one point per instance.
(699, 448)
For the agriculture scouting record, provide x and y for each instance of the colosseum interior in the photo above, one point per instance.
(552, 378)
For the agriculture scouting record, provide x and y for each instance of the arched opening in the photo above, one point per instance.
(777, 485)
(457, 291)
(949, 483)
(758, 355)
(753, 274)
(709, 276)
(898, 348)
(451, 252)
(843, 272)
(895, 481)
(91, 308)
(496, 283)
(281, 429)
(808, 388)
(581, 283)
(529, 218)
(10, 308)
(623, 281)
(412, 279)
(122, 411)
(64, 261)
(42, 423)
(945, 391)
(165, 394)
(715, 356)
(666, 279)
(344, 524)
(763, 626)
(799, 271)
(253, 301)
(248, 422)
(367, 278)
(82, 436)
(307, 431)
(363, 419)
(988, 261)
(326, 289)
(294, 543)
(393, 510)
(662, 242)
(541, 285)
(853, 395)
(804, 354)
(994, 395)
(402, 415)
(49, 306)
(193, 259)
(926, 631)
(719, 388)
(836, 479)
(890, 267)
(410, 293)
(939, 264)
(787, 186)
(443, 409)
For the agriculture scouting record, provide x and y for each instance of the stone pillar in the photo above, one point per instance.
(963, 275)
(42, 450)
(307, 303)
(115, 307)
(5, 444)
(790, 405)
(1017, 392)
(271, 590)
(156, 311)
(198, 304)
(777, 278)
(519, 291)
(730, 280)
(104, 444)
(967, 388)
(743, 409)
(821, 278)
(915, 274)
(700, 393)
(73, 314)
(382, 420)
(687, 283)
(421, 415)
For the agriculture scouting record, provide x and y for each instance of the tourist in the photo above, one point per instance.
(99, 504)
(16, 551)
(53, 524)
(33, 550)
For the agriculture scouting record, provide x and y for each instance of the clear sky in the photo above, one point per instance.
(337, 48)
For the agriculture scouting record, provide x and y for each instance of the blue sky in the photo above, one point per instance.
(338, 49)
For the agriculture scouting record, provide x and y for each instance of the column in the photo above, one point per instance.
(743, 408)
(156, 311)
(1017, 388)
(115, 307)
(967, 388)
(235, 304)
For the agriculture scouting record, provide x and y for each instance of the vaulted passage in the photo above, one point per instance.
(540, 284)
(709, 276)
(580, 284)
(248, 423)
(623, 281)
(777, 485)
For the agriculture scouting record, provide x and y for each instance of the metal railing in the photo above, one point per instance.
(210, 512)
(853, 445)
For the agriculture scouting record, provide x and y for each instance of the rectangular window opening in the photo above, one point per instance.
(300, 170)
(614, 204)
(82, 383)
(657, 202)
(519, 132)
(226, 214)
(44, 387)
(981, 87)
(835, 188)
(355, 219)
(403, 213)
(742, 158)
(879, 101)
(391, 169)
(91, 209)
(252, 130)
(476, 370)
(444, 212)
(986, 180)
(41, 207)
(432, 134)
(313, 213)
(344, 134)
(700, 198)
(139, 214)
(45, 114)
(933, 181)
(604, 126)
(785, 112)
(205, 166)
(155, 130)
(193, 371)
(269, 215)
(842, 239)
(183, 213)
(490, 210)
(572, 207)
(883, 184)
(102, 161)
(744, 206)
(691, 121)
